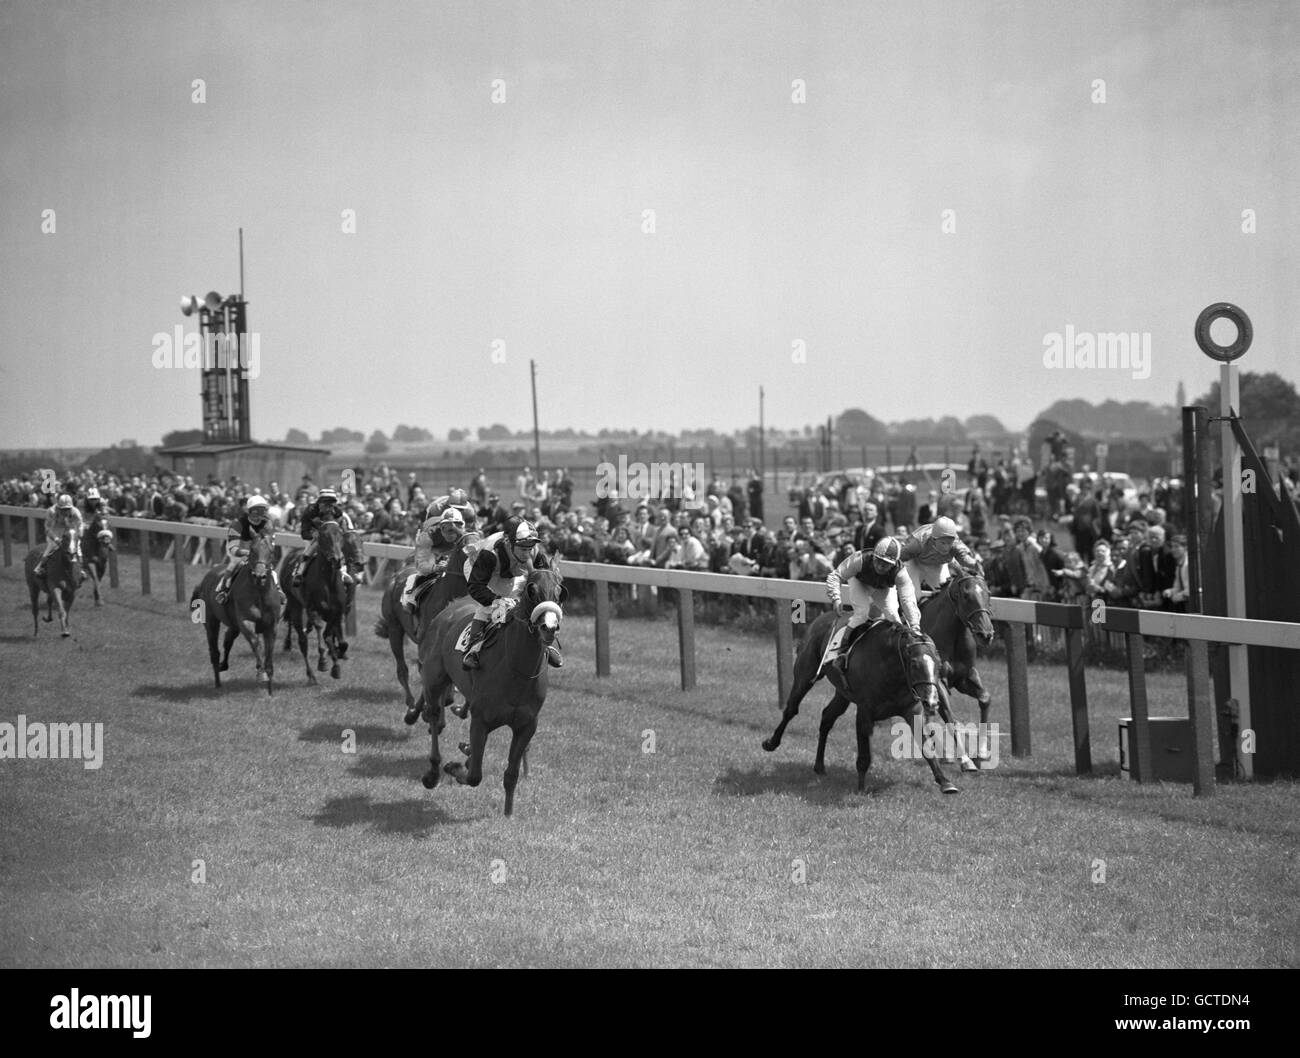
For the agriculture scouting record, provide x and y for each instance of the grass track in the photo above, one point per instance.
(615, 857)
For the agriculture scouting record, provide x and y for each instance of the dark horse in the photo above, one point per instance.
(397, 626)
(956, 617)
(252, 607)
(891, 672)
(319, 602)
(60, 581)
(508, 690)
(96, 543)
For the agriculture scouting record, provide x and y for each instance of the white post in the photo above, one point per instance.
(1234, 556)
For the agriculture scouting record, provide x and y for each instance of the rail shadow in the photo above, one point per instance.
(839, 784)
(366, 734)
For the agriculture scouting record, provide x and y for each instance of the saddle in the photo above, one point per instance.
(855, 636)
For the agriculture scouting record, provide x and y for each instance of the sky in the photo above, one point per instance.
(890, 206)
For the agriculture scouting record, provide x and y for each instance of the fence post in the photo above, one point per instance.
(9, 544)
(784, 652)
(31, 531)
(686, 635)
(1140, 766)
(145, 587)
(112, 566)
(1078, 701)
(1018, 688)
(350, 618)
(178, 564)
(1201, 712)
(602, 628)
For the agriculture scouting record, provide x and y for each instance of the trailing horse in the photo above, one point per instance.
(957, 618)
(252, 607)
(59, 582)
(890, 672)
(510, 687)
(397, 625)
(319, 602)
(96, 543)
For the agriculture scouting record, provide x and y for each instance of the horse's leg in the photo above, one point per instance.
(214, 654)
(301, 628)
(969, 683)
(471, 774)
(523, 734)
(250, 633)
(229, 641)
(805, 675)
(318, 630)
(63, 608)
(436, 724)
(945, 712)
(835, 709)
(94, 581)
(397, 644)
(35, 591)
(864, 726)
(334, 642)
(268, 649)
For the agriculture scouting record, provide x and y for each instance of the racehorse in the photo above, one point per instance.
(320, 602)
(508, 690)
(252, 607)
(891, 672)
(60, 581)
(956, 617)
(96, 543)
(397, 625)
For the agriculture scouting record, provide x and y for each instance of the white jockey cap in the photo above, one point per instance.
(887, 551)
(944, 527)
(327, 494)
(256, 501)
(64, 500)
(451, 516)
(523, 534)
(92, 493)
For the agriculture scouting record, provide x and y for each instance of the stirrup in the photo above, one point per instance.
(471, 661)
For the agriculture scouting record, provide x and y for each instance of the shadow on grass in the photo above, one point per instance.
(376, 767)
(18, 639)
(798, 779)
(186, 692)
(374, 696)
(367, 734)
(417, 817)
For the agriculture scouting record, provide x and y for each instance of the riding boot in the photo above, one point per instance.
(476, 629)
(298, 570)
(223, 590)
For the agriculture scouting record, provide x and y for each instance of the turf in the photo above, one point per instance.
(705, 852)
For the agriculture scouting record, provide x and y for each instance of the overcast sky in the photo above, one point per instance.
(522, 221)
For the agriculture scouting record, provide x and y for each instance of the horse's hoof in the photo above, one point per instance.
(412, 716)
(430, 779)
(224, 666)
(464, 748)
(969, 765)
(335, 671)
(948, 787)
(321, 666)
(65, 635)
(770, 744)
(98, 603)
(342, 650)
(820, 769)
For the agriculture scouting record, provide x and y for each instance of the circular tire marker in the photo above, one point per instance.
(1223, 310)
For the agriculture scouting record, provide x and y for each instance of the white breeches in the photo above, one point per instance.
(870, 603)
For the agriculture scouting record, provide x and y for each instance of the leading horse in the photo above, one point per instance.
(510, 688)
(59, 582)
(957, 618)
(890, 672)
(319, 602)
(252, 607)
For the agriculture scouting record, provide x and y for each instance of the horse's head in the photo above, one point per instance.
(68, 540)
(329, 538)
(543, 600)
(920, 668)
(261, 557)
(970, 598)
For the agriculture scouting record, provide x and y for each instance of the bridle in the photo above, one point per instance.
(913, 647)
(968, 618)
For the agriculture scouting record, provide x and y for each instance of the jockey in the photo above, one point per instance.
(253, 523)
(930, 549)
(93, 503)
(326, 508)
(437, 539)
(503, 561)
(878, 587)
(458, 501)
(58, 519)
